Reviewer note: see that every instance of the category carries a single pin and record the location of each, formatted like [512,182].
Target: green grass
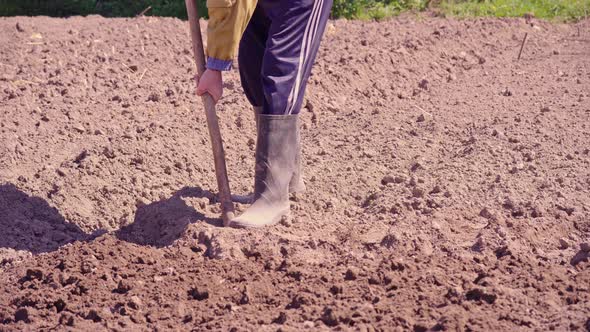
[107,8]
[565,10]
[562,10]
[380,11]
[374,9]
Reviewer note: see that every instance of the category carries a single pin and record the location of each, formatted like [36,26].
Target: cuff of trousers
[217,64]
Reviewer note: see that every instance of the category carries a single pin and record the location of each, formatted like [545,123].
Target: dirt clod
[21,315]
[281,319]
[423,84]
[67,319]
[480,295]
[93,316]
[134,302]
[196,294]
[329,317]
[563,244]
[123,287]
[350,274]
[388,179]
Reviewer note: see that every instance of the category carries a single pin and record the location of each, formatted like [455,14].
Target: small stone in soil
[79,128]
[350,274]
[81,156]
[281,319]
[485,213]
[134,302]
[154,97]
[336,290]
[123,287]
[417,192]
[415,166]
[66,319]
[34,274]
[563,244]
[196,294]
[389,241]
[59,305]
[21,315]
[108,152]
[425,116]
[479,295]
[423,84]
[387,179]
[328,317]
[93,316]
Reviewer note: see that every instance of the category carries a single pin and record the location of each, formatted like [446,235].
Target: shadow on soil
[30,223]
[160,223]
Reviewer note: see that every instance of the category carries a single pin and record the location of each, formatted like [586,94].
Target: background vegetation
[352,9]
[569,10]
[107,8]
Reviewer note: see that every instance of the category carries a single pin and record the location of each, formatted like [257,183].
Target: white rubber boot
[296,185]
[276,164]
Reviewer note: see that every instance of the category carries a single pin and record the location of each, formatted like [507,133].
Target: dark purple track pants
[278,50]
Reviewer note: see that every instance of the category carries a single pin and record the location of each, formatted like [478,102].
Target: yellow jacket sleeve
[227,21]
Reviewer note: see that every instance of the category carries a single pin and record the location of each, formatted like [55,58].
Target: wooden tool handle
[227,205]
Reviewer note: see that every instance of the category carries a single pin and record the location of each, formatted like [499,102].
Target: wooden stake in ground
[522,45]
[227,206]
[144,11]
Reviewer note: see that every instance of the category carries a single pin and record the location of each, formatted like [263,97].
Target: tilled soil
[448,182]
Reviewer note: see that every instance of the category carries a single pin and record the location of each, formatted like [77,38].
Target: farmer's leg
[250,54]
[293,40]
